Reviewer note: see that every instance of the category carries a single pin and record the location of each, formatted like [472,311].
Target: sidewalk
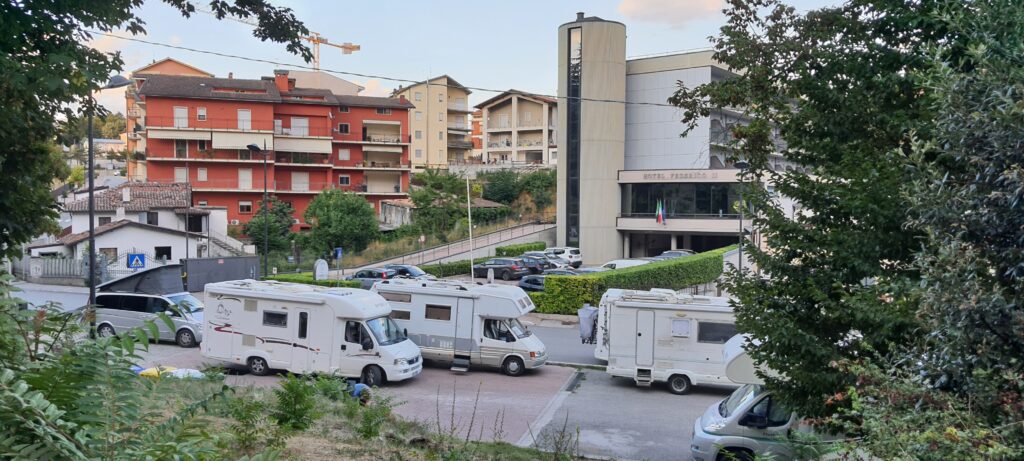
[550,320]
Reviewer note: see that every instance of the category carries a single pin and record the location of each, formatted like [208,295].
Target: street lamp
[116,81]
[742,166]
[266,223]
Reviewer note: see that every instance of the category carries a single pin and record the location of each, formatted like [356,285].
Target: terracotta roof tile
[142,196]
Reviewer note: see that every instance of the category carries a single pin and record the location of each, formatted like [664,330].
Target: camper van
[750,421]
[665,337]
[466,324]
[307,329]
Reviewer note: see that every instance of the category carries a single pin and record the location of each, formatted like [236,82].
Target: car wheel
[679,384]
[185,338]
[372,376]
[105,331]
[513,366]
[258,366]
[506,275]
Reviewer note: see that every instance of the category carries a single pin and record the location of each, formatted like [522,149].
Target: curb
[586,366]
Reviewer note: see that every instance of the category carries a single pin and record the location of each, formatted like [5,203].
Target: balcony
[458,106]
[134,136]
[722,224]
[231,185]
[136,112]
[215,124]
[386,138]
[530,143]
[315,129]
[303,159]
[376,165]
[459,144]
[458,127]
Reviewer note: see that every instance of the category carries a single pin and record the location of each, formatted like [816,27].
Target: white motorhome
[466,324]
[662,336]
[750,421]
[307,329]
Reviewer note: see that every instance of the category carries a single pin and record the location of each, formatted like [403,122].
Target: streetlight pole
[469,214]
[266,223]
[116,81]
[742,166]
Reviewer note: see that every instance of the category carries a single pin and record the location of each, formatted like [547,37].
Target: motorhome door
[303,354]
[644,338]
[465,342]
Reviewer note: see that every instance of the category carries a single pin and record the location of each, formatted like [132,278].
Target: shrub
[566,294]
[332,388]
[374,416]
[451,268]
[518,249]
[295,407]
[307,278]
[252,430]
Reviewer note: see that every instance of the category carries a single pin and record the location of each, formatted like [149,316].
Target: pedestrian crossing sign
[136,260]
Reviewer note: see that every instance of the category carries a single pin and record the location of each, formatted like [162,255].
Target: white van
[662,336]
[571,254]
[307,329]
[749,422]
[624,263]
[118,313]
[466,324]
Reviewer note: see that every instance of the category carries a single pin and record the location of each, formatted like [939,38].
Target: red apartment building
[197,130]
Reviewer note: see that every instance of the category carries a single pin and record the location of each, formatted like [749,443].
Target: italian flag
[659,215]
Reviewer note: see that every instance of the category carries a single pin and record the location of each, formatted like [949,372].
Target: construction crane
[314,37]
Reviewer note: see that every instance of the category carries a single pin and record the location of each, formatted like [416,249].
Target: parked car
[535,264]
[367,277]
[673,254]
[571,254]
[410,271]
[561,271]
[591,270]
[550,262]
[624,263]
[118,313]
[532,283]
[504,268]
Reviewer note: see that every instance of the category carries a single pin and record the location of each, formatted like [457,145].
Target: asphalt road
[68,297]
[563,345]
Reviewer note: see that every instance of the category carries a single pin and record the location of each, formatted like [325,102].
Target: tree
[501,186]
[436,211]
[77,176]
[835,91]
[341,219]
[112,125]
[279,217]
[50,73]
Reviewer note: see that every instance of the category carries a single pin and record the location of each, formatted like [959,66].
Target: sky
[484,44]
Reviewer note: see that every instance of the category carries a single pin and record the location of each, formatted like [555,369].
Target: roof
[520,93]
[73,239]
[155,63]
[480,202]
[177,86]
[370,101]
[402,202]
[142,196]
[326,95]
[451,83]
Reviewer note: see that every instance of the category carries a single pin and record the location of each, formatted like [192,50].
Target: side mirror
[510,339]
[405,332]
[754,421]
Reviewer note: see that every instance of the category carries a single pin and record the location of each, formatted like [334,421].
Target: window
[162,252]
[300,126]
[400,315]
[343,128]
[103,221]
[278,126]
[418,96]
[180,174]
[419,153]
[419,116]
[245,178]
[344,180]
[180,148]
[497,329]
[200,113]
[344,154]
[383,111]
[201,174]
[440,97]
[201,145]
[419,134]
[355,332]
[574,117]
[774,413]
[181,117]
[244,119]
[202,203]
[109,253]
[303,324]
[440,116]
[152,218]
[716,333]
[135,303]
[245,207]
[681,328]
[275,319]
[343,109]
[435,312]
[244,154]
[397,297]
[440,136]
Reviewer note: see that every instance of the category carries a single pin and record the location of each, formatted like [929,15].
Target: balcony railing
[285,186]
[722,215]
[378,164]
[458,126]
[303,158]
[453,105]
[386,138]
[459,144]
[530,143]
[190,123]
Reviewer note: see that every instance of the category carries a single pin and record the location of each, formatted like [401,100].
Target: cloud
[675,13]
[374,88]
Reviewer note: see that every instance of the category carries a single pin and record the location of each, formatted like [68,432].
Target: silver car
[121,312]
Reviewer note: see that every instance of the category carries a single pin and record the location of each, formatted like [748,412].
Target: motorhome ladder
[643,378]
[460,364]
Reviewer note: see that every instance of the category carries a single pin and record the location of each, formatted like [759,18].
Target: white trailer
[307,329]
[466,324]
[661,336]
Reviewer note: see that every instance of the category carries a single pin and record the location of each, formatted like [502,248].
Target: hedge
[518,249]
[307,278]
[566,294]
[442,270]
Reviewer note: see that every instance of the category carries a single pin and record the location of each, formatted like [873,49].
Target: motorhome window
[303,324]
[717,333]
[275,319]
[497,329]
[399,315]
[186,302]
[776,414]
[435,312]
[397,297]
[385,330]
[518,328]
[681,328]
[354,332]
[738,399]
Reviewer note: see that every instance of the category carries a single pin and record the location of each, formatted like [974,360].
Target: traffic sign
[338,253]
[136,260]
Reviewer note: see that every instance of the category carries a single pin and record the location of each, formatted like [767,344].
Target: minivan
[118,313]
[624,263]
[571,254]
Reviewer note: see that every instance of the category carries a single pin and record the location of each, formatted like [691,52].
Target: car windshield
[187,303]
[385,330]
[518,328]
[739,398]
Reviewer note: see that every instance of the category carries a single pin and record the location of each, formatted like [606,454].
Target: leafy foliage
[279,218]
[501,186]
[295,407]
[252,428]
[448,269]
[307,278]
[50,72]
[340,219]
[518,249]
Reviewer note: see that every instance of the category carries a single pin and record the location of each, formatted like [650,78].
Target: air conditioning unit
[296,221]
[235,222]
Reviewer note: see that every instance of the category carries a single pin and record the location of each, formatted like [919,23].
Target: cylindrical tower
[591,134]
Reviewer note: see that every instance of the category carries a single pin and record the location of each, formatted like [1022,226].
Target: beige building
[519,128]
[439,125]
